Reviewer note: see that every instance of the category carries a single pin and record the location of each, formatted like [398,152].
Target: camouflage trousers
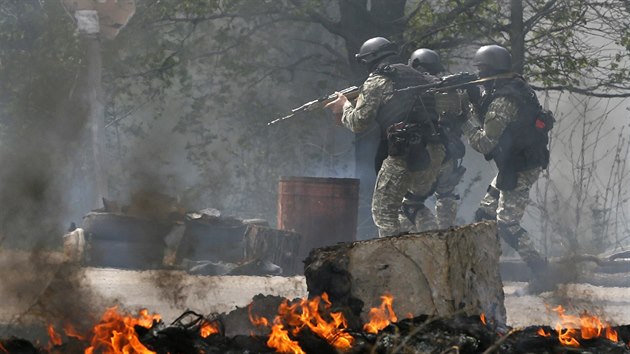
[508,208]
[446,201]
[394,180]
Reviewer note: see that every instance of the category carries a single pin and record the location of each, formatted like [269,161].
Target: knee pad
[495,193]
[482,214]
[510,233]
[450,195]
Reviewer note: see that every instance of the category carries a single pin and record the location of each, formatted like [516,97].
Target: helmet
[374,49]
[494,57]
[427,59]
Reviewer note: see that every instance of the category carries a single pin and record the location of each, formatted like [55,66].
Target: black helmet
[426,59]
[375,49]
[494,57]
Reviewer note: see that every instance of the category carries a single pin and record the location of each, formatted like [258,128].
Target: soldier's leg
[422,184]
[391,185]
[488,206]
[511,208]
[416,216]
[446,201]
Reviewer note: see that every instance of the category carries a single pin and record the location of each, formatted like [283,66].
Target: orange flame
[482,317]
[381,317]
[571,328]
[115,333]
[72,332]
[611,334]
[3,349]
[280,341]
[208,329]
[255,320]
[305,314]
[543,333]
[55,338]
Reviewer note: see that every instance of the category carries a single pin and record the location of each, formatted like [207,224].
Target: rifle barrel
[351,93]
[280,119]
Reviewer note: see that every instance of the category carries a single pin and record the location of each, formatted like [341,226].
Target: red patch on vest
[540,124]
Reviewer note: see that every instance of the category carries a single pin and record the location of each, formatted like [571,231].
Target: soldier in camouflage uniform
[410,151]
[515,138]
[448,105]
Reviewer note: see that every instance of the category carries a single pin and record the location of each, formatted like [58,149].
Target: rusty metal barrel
[323,210]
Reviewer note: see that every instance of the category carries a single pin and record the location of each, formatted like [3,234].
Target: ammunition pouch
[450,126]
[398,139]
[509,164]
[404,139]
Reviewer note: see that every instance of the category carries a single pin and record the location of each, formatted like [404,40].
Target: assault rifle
[351,93]
[454,81]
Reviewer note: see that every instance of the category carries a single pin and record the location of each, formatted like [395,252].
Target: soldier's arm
[360,116]
[500,113]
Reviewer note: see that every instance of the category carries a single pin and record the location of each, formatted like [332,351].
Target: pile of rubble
[155,232]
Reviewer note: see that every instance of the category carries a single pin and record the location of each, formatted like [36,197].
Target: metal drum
[322,210]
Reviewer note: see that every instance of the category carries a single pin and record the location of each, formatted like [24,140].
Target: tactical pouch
[397,139]
[407,140]
[544,121]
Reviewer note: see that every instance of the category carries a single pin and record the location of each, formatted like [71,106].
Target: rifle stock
[351,93]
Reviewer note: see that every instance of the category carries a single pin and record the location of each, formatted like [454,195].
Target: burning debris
[304,326]
[347,311]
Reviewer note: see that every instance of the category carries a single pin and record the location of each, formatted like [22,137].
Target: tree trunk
[96,116]
[517,36]
[433,273]
[359,23]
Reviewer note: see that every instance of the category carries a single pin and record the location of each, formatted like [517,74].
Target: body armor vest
[523,145]
[410,108]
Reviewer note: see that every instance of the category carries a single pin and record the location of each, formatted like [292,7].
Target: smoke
[39,289]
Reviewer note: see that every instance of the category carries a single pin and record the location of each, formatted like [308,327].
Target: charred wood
[277,246]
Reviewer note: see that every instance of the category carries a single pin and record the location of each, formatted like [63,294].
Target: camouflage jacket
[501,112]
[376,90]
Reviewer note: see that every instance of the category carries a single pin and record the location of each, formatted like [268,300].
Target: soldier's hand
[474,94]
[336,106]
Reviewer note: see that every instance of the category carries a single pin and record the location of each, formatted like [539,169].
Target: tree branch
[584,91]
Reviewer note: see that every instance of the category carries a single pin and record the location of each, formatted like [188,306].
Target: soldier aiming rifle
[351,93]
